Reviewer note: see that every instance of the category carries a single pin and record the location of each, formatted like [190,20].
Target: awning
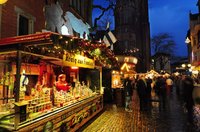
[26,38]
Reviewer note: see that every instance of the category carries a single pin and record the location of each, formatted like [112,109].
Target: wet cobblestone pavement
[172,119]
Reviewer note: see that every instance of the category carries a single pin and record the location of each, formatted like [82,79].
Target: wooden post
[18,69]
[17,88]
[101,88]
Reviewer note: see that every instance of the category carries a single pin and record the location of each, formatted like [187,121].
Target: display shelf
[5,113]
[59,115]
[21,103]
[7,98]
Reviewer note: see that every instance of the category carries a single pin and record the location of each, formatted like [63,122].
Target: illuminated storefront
[42,82]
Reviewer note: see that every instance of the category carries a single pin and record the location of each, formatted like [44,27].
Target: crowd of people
[163,87]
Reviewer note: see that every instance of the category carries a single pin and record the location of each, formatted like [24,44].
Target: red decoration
[61,84]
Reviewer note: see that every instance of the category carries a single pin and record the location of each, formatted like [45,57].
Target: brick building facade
[19,17]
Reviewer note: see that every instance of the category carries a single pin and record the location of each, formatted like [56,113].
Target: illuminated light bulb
[60,37]
[74,67]
[183,65]
[189,65]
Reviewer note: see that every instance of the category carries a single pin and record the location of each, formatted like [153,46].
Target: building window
[78,6]
[74,4]
[70,2]
[82,8]
[25,22]
[126,44]
[125,19]
[23,25]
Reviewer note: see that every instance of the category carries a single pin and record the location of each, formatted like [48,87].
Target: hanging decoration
[60,45]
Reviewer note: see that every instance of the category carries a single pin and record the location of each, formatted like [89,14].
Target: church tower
[198,4]
[132,31]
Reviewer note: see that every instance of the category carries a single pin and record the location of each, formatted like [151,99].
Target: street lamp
[187,41]
[189,48]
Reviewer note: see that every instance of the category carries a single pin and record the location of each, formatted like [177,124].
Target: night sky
[172,16]
[168,16]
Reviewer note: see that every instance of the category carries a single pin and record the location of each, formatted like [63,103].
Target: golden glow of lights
[183,65]
[135,60]
[74,67]
[189,65]
[115,72]
[3,1]
[195,72]
[125,66]
[176,73]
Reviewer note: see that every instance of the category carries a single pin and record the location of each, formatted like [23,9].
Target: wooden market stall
[33,94]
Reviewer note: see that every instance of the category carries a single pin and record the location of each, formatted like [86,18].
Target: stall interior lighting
[125,66]
[115,72]
[74,67]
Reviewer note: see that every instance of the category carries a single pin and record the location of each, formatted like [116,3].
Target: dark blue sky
[169,16]
[172,16]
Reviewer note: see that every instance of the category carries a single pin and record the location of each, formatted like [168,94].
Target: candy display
[79,92]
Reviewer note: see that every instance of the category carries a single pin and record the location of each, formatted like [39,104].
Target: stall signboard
[79,61]
[76,60]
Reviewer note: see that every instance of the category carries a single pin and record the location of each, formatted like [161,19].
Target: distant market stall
[127,70]
[152,74]
[50,81]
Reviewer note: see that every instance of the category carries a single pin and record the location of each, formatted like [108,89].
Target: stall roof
[26,38]
[35,43]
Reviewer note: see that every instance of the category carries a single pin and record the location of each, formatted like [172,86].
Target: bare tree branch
[110,6]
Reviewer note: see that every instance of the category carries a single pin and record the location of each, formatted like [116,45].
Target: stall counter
[67,118]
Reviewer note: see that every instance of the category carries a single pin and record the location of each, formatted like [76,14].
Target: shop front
[47,84]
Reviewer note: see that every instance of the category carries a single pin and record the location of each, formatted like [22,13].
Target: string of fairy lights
[98,51]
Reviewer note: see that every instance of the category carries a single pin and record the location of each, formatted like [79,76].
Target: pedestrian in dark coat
[148,91]
[161,91]
[188,87]
[128,93]
[142,93]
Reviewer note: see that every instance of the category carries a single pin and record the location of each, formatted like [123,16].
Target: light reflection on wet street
[171,119]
